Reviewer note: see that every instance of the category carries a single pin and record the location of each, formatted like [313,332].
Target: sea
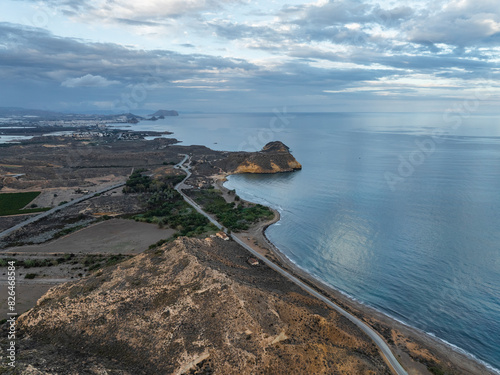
[399,211]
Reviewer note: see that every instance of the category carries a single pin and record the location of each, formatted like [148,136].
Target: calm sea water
[421,243]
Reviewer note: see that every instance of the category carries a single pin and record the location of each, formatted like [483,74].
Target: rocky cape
[275,157]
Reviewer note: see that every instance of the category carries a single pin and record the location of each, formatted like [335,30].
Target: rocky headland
[273,158]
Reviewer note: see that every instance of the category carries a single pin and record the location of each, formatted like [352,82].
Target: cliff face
[191,307]
[274,157]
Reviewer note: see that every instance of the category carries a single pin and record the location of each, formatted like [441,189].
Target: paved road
[180,185]
[396,366]
[377,339]
[55,209]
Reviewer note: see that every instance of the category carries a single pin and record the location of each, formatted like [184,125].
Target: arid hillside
[192,306]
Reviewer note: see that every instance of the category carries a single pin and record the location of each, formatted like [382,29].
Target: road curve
[377,339]
[179,186]
[384,348]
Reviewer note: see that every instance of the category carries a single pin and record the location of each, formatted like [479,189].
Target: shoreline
[447,354]
[386,326]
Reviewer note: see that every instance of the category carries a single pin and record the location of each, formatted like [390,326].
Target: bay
[400,211]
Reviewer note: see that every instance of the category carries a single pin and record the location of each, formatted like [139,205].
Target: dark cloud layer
[310,50]
[36,52]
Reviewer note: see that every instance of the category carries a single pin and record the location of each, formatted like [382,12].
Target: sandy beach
[413,348]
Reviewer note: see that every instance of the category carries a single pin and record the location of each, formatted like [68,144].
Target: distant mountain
[16,112]
[163,112]
[38,114]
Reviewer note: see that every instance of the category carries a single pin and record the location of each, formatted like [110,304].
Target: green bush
[166,207]
[30,276]
[437,371]
[233,218]
[28,263]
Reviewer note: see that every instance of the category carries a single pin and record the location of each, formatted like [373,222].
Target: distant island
[164,112]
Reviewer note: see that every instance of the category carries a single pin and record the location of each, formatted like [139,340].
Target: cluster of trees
[176,214]
[140,183]
[167,208]
[137,182]
[235,218]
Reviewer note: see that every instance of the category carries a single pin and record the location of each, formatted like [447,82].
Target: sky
[250,56]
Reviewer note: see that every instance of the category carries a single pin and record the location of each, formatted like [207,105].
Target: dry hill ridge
[192,306]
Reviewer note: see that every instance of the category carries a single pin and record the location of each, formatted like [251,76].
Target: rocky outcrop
[275,157]
[194,306]
[276,146]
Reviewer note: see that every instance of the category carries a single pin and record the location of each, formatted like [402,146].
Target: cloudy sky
[244,55]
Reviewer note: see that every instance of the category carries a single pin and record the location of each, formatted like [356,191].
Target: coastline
[417,350]
[388,327]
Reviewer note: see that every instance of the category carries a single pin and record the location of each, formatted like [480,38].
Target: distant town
[29,122]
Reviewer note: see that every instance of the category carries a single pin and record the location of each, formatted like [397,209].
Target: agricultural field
[13,203]
[114,236]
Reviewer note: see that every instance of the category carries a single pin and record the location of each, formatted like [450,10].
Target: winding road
[377,339]
[181,184]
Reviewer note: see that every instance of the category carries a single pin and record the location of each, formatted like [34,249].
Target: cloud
[282,53]
[349,11]
[133,11]
[40,55]
[88,81]
[459,23]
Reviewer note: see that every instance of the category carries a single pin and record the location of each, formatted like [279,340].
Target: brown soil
[179,309]
[27,294]
[114,236]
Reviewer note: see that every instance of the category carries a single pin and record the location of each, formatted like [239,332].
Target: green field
[12,203]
